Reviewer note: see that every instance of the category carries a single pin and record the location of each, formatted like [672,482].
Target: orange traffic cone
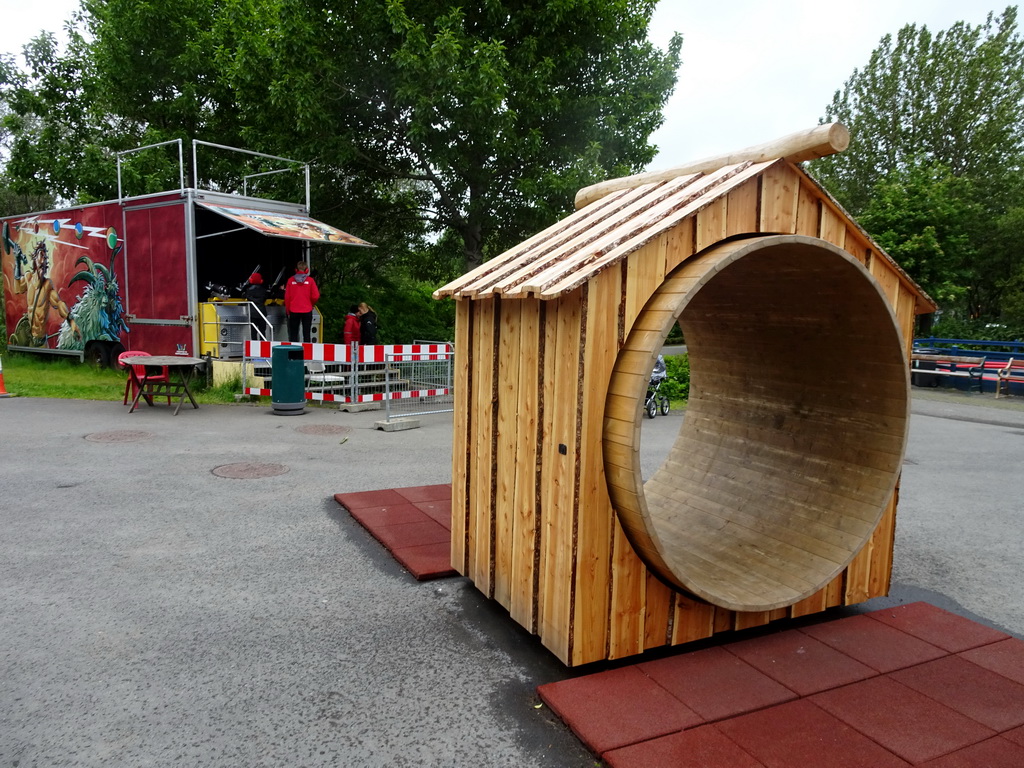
[3,390]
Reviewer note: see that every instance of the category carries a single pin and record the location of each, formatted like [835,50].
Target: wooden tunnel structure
[779,496]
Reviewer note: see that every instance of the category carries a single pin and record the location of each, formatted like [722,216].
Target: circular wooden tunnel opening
[794,434]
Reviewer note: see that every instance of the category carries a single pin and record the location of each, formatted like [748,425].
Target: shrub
[979,330]
[405,311]
[677,385]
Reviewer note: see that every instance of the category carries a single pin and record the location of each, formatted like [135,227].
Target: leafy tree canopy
[922,217]
[934,164]
[487,117]
[444,132]
[952,99]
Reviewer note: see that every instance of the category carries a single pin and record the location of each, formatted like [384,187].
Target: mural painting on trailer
[61,284]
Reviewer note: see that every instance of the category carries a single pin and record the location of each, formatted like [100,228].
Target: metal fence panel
[418,384]
[410,380]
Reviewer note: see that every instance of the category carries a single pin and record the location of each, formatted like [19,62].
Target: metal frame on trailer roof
[195,163]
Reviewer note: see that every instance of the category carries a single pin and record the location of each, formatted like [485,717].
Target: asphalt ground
[154,611]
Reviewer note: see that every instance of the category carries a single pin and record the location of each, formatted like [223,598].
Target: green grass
[28,375]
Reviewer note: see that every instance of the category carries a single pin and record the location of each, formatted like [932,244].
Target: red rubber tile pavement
[427,493]
[441,511]
[1005,658]
[618,707]
[892,715]
[933,625]
[705,746]
[413,524]
[370,499]
[912,685]
[994,753]
[402,535]
[981,694]
[1016,736]
[801,734]
[715,683]
[873,643]
[908,686]
[801,663]
[394,514]
[426,561]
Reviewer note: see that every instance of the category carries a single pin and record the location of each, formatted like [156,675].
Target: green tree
[1006,253]
[935,157]
[953,99]
[922,216]
[445,132]
[13,201]
[487,117]
[51,125]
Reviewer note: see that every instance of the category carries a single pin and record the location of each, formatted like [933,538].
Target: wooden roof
[619,216]
[570,252]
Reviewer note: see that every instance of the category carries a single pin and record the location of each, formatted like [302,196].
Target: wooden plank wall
[533,525]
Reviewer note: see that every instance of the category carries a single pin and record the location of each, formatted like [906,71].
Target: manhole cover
[119,436]
[323,429]
[248,470]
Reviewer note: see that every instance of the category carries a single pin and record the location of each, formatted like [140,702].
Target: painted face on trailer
[40,260]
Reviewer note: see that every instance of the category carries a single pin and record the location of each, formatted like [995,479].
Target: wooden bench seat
[1013,372]
[319,372]
[959,366]
[337,378]
[343,385]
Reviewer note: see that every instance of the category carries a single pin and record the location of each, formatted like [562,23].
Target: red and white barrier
[343,353]
[360,354]
[384,353]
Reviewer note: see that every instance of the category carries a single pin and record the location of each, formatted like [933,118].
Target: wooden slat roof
[570,252]
[573,250]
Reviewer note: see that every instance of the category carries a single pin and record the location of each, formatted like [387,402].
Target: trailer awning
[289,225]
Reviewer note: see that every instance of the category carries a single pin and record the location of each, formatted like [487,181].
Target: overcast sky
[753,70]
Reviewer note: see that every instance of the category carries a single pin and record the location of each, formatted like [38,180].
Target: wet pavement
[156,611]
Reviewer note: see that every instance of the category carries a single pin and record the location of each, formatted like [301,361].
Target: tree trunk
[472,240]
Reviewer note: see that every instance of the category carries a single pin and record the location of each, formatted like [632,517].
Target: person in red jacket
[351,331]
[300,295]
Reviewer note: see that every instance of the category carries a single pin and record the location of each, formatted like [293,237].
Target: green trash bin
[919,376]
[287,380]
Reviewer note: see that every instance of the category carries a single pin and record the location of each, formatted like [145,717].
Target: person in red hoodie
[350,332]
[300,295]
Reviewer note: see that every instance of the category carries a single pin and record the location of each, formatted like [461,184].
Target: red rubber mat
[413,524]
[906,686]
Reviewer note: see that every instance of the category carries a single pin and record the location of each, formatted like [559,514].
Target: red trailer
[161,273]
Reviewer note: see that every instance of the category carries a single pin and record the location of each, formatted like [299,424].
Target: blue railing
[992,350]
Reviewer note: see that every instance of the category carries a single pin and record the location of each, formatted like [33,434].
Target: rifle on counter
[277,282]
